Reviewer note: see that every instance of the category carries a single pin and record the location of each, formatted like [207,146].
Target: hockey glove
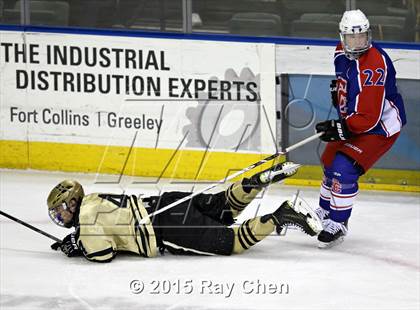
[334,130]
[69,245]
[333,91]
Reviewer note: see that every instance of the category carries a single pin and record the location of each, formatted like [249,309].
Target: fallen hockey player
[108,223]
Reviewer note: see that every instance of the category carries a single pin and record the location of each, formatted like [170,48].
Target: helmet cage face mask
[55,214]
[356,44]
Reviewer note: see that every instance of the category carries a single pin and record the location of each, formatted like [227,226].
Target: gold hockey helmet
[60,199]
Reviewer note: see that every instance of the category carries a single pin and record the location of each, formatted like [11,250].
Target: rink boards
[185,108]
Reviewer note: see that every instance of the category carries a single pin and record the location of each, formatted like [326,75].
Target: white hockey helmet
[355,33]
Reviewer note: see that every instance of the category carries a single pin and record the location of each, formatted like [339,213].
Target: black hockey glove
[333,91]
[69,245]
[334,130]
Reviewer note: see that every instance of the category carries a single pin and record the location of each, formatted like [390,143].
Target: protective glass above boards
[390,20]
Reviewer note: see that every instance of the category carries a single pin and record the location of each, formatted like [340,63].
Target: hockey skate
[332,234]
[274,174]
[297,214]
[323,214]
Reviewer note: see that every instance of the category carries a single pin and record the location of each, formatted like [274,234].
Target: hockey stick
[259,163]
[30,226]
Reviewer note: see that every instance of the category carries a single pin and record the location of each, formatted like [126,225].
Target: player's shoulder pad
[91,196]
[372,59]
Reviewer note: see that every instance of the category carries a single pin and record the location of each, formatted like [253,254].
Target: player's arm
[367,92]
[101,252]
[92,248]
[336,130]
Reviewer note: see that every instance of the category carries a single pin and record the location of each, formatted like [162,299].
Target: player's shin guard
[324,198]
[344,189]
[325,194]
[250,233]
[342,203]
[238,197]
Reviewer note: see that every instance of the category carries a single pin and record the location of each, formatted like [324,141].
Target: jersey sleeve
[96,249]
[366,93]
[340,61]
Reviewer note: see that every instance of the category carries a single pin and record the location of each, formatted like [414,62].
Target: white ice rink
[377,267]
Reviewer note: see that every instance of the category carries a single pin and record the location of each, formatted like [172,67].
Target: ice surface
[377,267]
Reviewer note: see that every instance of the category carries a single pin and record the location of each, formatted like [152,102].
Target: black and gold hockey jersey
[109,223]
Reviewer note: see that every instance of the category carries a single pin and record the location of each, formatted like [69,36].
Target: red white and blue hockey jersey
[368,98]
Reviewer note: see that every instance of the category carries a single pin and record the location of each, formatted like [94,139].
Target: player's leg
[296,213]
[327,159]
[222,207]
[241,193]
[199,226]
[184,229]
[342,177]
[345,162]
[195,233]
[227,205]
[324,196]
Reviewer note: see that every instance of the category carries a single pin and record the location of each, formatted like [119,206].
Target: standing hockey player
[371,115]
[108,223]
